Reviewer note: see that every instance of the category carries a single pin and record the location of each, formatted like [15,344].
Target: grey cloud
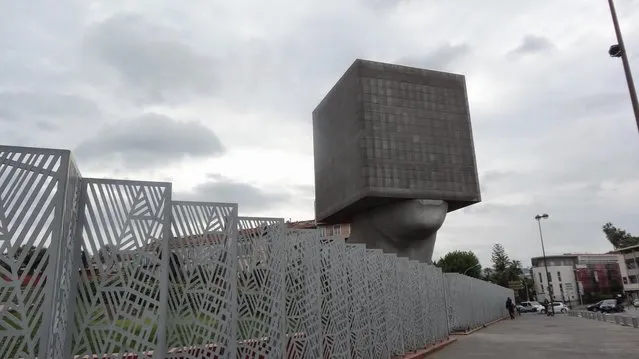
[221,189]
[553,131]
[150,140]
[442,58]
[287,74]
[531,44]
[46,107]
[151,60]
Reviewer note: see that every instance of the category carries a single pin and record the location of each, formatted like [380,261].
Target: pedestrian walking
[511,308]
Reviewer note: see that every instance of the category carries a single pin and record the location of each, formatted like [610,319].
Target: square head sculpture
[388,133]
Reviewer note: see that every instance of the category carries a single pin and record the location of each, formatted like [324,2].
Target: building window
[541,279]
[559,276]
[337,229]
[561,288]
[625,280]
[549,277]
[633,279]
[630,263]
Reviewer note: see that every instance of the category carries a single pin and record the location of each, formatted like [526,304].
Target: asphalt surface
[543,337]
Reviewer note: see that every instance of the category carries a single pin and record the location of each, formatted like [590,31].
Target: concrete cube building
[386,133]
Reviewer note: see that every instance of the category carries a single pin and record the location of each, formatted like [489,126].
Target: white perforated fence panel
[438,298]
[393,297]
[123,284]
[202,281]
[359,301]
[303,295]
[375,265]
[262,262]
[335,300]
[473,302]
[38,192]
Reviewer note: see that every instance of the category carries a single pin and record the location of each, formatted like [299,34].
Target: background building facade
[340,230]
[578,278]
[630,270]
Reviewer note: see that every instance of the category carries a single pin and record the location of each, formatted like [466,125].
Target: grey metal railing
[619,319]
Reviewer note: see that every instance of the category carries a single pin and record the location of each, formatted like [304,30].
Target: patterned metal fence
[100,268]
[473,302]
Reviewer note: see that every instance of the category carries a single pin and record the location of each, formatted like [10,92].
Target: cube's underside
[387,133]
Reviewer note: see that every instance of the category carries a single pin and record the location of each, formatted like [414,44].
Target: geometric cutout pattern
[261,279]
[438,295]
[417,278]
[202,292]
[120,296]
[303,294]
[359,302]
[393,302]
[32,199]
[407,305]
[335,301]
[376,295]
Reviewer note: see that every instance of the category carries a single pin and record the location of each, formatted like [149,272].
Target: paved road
[542,337]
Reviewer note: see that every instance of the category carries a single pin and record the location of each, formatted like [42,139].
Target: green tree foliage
[504,269]
[618,237]
[499,258]
[459,262]
[488,274]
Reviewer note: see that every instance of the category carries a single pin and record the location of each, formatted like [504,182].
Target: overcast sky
[216,96]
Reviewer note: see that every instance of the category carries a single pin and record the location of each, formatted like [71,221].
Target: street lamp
[619,50]
[469,268]
[543,251]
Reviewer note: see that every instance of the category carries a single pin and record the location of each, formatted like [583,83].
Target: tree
[488,274]
[500,258]
[618,237]
[460,262]
[504,270]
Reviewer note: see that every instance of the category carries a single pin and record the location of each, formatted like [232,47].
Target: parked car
[606,306]
[611,306]
[525,308]
[531,306]
[636,303]
[559,308]
[594,307]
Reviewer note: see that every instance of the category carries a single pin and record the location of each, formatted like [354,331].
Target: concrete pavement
[538,336]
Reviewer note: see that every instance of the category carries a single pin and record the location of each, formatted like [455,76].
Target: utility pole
[543,251]
[619,50]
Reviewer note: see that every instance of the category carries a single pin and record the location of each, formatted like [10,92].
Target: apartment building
[630,264]
[341,230]
[577,277]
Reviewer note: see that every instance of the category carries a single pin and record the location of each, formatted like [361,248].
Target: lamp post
[619,50]
[469,268]
[543,251]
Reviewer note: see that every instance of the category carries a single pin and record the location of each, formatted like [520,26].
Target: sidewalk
[535,336]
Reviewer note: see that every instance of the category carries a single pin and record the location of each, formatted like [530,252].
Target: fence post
[163,310]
